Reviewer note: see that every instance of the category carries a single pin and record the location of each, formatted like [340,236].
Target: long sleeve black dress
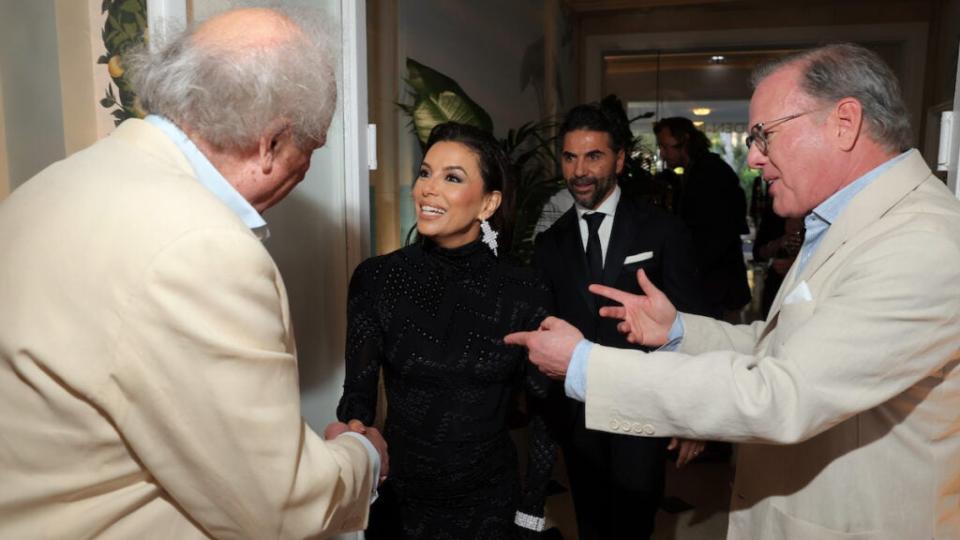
[434,320]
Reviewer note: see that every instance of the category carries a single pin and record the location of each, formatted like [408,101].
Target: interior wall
[79,46]
[384,78]
[29,69]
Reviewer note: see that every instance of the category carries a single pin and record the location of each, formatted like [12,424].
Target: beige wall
[384,77]
[82,81]
[49,104]
[29,68]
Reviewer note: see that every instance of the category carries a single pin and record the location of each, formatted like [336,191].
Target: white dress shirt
[608,207]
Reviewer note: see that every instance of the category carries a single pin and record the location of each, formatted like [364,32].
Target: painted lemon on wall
[124,28]
[114,67]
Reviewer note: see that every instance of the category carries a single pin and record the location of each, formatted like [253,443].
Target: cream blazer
[847,399]
[148,377]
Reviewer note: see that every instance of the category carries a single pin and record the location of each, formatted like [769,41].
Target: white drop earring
[489,235]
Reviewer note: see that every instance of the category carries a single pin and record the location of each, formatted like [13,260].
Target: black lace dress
[434,319]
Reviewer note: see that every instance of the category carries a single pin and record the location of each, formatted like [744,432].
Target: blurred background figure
[712,205]
[778,242]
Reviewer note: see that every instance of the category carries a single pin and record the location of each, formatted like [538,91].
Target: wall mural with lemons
[124,27]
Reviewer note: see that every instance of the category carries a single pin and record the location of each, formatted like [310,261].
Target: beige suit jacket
[148,378]
[847,399]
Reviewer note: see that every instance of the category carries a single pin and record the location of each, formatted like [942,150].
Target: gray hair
[833,72]
[229,97]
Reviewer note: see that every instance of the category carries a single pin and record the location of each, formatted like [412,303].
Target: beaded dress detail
[434,319]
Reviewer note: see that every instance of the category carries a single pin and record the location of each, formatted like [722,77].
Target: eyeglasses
[760,131]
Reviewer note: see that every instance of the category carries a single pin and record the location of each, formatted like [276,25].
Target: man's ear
[621,157]
[848,116]
[491,201]
[269,145]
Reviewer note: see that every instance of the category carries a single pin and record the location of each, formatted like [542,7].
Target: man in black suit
[606,237]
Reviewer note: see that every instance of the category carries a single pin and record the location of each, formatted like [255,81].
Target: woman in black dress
[433,315]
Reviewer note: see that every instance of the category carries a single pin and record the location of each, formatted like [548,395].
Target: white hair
[230,96]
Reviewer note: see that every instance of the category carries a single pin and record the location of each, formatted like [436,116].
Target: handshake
[335,429]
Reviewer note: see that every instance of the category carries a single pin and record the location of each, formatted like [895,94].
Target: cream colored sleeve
[205,393]
[890,319]
[703,334]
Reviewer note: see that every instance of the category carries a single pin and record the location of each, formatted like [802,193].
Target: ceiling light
[700,111]
[717,59]
[698,123]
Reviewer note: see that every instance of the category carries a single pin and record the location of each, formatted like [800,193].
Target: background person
[432,316]
[714,208]
[853,380]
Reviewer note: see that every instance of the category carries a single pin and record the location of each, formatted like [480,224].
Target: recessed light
[717,59]
[698,123]
[700,111]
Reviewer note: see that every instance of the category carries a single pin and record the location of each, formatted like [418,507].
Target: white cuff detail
[527,521]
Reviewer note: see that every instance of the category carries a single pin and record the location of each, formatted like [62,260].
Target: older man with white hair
[846,398]
[148,374]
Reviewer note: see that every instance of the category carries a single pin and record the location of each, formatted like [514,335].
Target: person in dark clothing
[778,241]
[606,237]
[713,207]
[432,316]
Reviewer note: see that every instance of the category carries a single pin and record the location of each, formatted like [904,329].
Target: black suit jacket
[559,255]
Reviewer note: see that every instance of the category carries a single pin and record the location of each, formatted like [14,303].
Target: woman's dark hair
[608,117]
[686,134]
[495,167]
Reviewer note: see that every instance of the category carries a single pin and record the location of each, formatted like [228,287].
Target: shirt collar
[608,206]
[829,210]
[210,178]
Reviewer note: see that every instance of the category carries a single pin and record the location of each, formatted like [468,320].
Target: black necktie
[594,251]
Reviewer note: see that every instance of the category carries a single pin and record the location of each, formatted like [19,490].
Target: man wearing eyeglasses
[846,397]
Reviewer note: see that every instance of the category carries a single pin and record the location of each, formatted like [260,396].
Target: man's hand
[646,320]
[335,429]
[689,450]
[551,346]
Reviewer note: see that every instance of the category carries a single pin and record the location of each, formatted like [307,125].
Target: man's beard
[602,187]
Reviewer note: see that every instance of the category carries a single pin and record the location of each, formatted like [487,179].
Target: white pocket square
[638,257]
[800,293]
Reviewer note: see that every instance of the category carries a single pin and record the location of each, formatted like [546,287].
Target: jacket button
[637,428]
[648,429]
[614,423]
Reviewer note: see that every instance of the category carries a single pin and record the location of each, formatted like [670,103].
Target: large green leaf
[445,107]
[426,81]
[429,85]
